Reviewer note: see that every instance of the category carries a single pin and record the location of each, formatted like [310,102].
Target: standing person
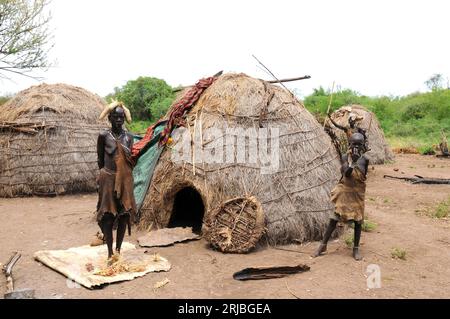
[116,201]
[348,195]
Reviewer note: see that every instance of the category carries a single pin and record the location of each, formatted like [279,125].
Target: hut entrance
[188,210]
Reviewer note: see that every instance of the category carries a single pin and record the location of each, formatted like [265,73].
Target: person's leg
[356,239]
[107,228]
[326,237]
[121,228]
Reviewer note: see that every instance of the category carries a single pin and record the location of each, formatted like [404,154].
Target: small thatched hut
[380,151]
[293,193]
[48,136]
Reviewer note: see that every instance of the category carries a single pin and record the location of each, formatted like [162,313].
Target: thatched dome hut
[380,151]
[48,137]
[291,185]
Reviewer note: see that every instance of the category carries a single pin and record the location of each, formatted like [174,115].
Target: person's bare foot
[320,250]
[113,259]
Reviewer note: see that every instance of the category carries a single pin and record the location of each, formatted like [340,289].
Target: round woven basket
[236,225]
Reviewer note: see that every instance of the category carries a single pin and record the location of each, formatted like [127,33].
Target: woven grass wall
[48,138]
[295,198]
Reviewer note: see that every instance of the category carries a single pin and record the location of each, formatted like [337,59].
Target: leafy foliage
[435,82]
[24,36]
[147,97]
[415,120]
[398,253]
[442,210]
[139,127]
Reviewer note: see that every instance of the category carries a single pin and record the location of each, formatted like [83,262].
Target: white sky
[374,47]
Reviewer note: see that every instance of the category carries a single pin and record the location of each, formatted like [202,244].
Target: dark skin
[361,163]
[106,151]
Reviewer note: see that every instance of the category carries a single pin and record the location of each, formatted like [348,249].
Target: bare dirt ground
[32,224]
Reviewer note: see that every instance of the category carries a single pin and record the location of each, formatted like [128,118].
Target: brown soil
[399,209]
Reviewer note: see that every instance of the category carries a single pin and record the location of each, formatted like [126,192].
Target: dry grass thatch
[380,151]
[48,136]
[295,199]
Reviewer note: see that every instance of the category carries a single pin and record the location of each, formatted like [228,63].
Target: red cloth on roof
[177,111]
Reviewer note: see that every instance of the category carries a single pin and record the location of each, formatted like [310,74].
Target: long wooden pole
[329,103]
[306,77]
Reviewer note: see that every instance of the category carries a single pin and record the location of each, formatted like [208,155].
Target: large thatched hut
[284,173]
[48,136]
[380,151]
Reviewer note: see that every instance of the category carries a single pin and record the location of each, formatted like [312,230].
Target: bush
[415,111]
[442,210]
[427,150]
[398,253]
[415,120]
[148,98]
[349,238]
[139,127]
[368,226]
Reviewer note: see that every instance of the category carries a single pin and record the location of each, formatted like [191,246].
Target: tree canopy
[148,98]
[24,36]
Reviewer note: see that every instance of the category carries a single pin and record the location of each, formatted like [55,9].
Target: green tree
[435,82]
[147,97]
[24,36]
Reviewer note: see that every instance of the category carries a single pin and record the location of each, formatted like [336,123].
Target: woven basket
[236,225]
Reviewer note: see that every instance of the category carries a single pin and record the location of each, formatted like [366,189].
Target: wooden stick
[7,270]
[291,290]
[291,250]
[306,77]
[278,81]
[370,123]
[193,145]
[329,103]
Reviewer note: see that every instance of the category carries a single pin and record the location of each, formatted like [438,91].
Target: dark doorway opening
[188,210]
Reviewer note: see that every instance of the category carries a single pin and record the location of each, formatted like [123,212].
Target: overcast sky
[374,47]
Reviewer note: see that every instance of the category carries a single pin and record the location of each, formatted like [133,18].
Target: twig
[290,291]
[193,145]
[370,123]
[291,250]
[306,77]
[329,102]
[278,81]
